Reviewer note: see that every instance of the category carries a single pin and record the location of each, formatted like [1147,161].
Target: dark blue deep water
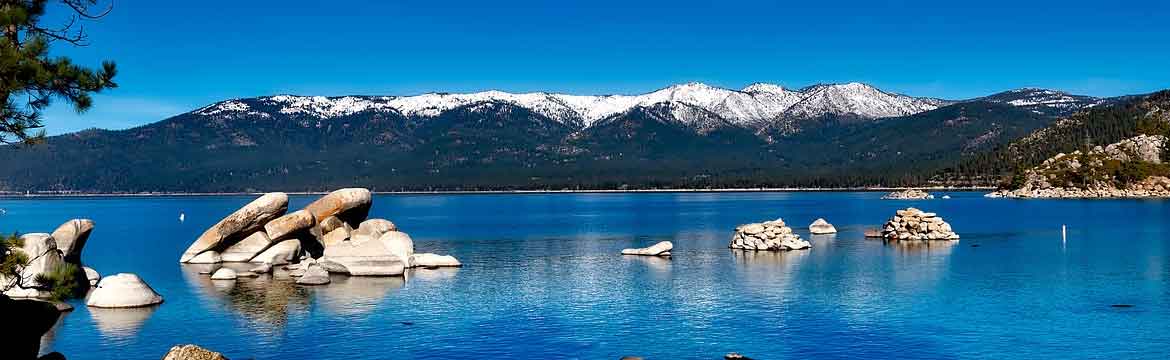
[543,280]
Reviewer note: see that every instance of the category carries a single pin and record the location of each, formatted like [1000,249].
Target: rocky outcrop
[239,224]
[660,249]
[910,194]
[398,244]
[123,291]
[372,229]
[429,260]
[1126,169]
[821,227]
[914,224]
[192,352]
[71,237]
[769,235]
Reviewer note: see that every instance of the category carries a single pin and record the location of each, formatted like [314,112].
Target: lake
[542,278]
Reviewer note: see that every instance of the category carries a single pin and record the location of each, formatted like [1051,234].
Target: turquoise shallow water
[542,279]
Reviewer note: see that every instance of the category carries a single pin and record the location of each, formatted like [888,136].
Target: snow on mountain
[859,100]
[1044,101]
[755,106]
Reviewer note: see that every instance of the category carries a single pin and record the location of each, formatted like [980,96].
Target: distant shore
[473,192]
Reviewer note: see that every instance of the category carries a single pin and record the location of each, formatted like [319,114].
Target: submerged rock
[192,352]
[123,291]
[770,235]
[820,227]
[434,260]
[914,224]
[660,249]
[244,221]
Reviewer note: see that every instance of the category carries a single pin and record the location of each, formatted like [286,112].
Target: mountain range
[686,135]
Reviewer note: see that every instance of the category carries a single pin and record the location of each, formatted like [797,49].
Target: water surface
[543,279]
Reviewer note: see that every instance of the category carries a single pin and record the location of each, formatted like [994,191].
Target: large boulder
[192,352]
[914,224]
[122,291]
[25,321]
[821,227]
[43,257]
[769,235]
[71,237]
[283,252]
[239,224]
[660,249]
[284,226]
[430,260]
[206,257]
[351,205]
[370,258]
[246,249]
[398,244]
[372,229]
[335,237]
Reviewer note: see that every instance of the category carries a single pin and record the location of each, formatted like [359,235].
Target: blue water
[542,279]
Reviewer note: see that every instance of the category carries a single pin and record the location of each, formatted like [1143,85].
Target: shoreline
[13,195]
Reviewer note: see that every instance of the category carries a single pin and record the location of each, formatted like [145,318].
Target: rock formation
[660,249]
[821,227]
[769,235]
[914,224]
[910,194]
[429,260]
[239,224]
[1131,168]
[123,291]
[71,237]
[224,274]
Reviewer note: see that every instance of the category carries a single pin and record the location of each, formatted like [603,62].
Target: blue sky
[176,56]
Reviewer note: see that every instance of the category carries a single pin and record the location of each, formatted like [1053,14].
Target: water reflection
[443,273]
[356,295]
[769,259]
[265,301]
[121,323]
[932,248]
[660,265]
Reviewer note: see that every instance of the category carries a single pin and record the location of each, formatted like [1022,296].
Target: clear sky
[174,56]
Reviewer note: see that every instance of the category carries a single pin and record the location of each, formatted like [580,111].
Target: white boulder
[821,227]
[660,249]
[122,291]
[430,260]
[244,221]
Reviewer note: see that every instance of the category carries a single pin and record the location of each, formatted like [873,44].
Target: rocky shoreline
[1103,172]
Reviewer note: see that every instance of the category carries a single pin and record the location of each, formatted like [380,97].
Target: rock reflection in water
[785,259]
[930,247]
[661,265]
[356,295]
[443,273]
[121,323]
[265,301]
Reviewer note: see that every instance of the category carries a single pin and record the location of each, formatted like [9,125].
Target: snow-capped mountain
[1044,101]
[756,106]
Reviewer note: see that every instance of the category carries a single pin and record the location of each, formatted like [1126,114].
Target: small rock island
[769,235]
[914,224]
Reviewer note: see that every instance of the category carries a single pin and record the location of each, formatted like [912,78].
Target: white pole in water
[1063,234]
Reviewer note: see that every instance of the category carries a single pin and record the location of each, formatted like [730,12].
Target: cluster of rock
[769,235]
[330,235]
[909,194]
[48,252]
[660,249]
[821,227]
[192,352]
[914,224]
[1047,180]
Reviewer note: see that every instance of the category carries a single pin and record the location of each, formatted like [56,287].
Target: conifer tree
[30,79]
